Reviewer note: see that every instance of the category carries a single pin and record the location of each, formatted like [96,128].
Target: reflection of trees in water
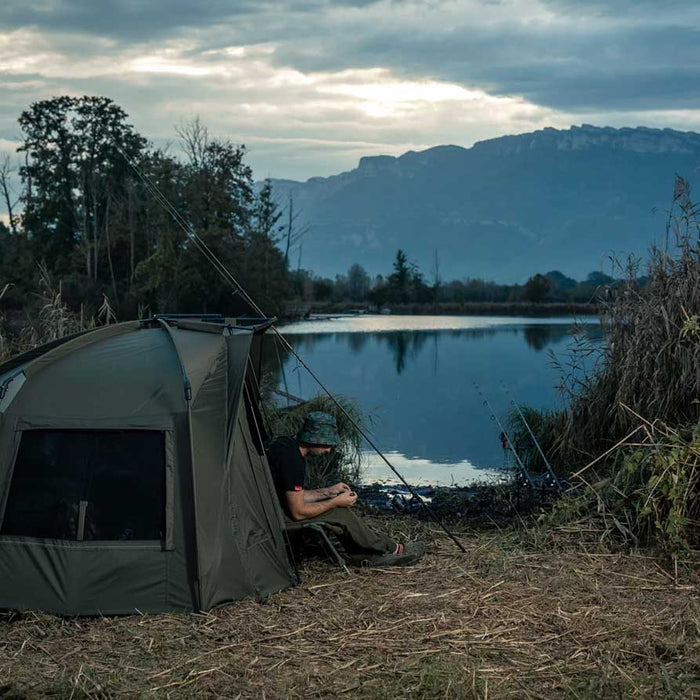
[539,337]
[407,345]
[357,341]
[280,367]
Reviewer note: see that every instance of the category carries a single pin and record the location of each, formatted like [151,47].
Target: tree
[78,154]
[400,278]
[536,289]
[418,290]
[599,279]
[322,289]
[6,171]
[559,279]
[239,227]
[358,282]
[293,233]
[437,281]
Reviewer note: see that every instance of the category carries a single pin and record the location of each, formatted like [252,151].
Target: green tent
[132,473]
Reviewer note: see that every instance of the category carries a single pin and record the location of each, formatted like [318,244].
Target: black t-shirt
[287,465]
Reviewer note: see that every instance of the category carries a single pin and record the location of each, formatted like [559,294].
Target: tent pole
[188,399]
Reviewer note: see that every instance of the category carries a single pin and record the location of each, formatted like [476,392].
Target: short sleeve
[287,466]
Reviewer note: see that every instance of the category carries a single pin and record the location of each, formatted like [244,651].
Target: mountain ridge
[501,209]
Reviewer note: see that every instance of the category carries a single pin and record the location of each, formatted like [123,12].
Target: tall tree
[77,163]
[6,171]
[536,289]
[437,280]
[400,278]
[358,282]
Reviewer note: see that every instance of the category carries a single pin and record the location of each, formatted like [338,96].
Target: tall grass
[629,437]
[46,317]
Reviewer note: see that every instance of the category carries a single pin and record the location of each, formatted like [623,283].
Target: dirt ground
[513,617]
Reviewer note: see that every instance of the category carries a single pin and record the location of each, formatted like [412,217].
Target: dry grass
[629,439]
[498,621]
[46,317]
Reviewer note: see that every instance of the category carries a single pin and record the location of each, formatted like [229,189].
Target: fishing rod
[228,277]
[507,437]
[514,403]
[369,441]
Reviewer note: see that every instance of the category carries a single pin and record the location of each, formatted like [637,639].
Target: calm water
[415,375]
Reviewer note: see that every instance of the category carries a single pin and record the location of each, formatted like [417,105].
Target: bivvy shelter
[132,471]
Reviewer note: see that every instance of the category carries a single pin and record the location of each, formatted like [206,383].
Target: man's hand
[302,505]
[346,499]
[337,489]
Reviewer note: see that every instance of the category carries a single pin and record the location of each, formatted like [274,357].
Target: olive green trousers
[355,536]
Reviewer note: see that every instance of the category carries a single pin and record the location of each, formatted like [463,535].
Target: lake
[416,377]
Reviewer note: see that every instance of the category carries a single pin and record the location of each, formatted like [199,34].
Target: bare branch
[6,171]
[195,139]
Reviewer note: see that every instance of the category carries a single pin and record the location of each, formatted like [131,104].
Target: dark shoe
[412,552]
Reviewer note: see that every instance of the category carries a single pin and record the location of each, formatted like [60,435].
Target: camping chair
[319,530]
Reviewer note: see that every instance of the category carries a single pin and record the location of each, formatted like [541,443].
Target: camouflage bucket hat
[319,429]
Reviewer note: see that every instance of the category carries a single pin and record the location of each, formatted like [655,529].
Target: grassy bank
[513,617]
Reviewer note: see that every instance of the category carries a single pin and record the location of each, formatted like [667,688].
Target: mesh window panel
[103,485]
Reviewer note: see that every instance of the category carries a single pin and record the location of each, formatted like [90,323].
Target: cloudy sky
[311,85]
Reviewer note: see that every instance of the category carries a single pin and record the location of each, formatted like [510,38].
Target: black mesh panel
[103,485]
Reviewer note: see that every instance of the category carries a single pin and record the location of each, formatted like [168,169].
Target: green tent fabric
[132,475]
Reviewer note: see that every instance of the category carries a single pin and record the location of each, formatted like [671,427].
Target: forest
[105,214]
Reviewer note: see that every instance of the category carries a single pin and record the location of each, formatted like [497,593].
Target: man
[332,504]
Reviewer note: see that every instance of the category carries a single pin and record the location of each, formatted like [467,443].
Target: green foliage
[540,423]
[358,283]
[404,285]
[647,492]
[73,171]
[560,280]
[344,462]
[536,289]
[99,227]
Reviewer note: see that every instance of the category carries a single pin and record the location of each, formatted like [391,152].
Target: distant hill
[502,209]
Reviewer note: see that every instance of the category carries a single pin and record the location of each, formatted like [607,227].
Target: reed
[629,437]
[47,317]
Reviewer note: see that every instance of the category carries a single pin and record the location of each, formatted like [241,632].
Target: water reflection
[423,472]
[418,384]
[406,346]
[403,343]
[356,341]
[538,337]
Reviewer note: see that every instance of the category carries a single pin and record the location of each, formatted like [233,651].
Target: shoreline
[302,311]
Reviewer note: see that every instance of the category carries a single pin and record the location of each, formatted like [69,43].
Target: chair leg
[329,545]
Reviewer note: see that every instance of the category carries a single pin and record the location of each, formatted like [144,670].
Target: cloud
[581,58]
[9,146]
[311,85]
[137,20]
